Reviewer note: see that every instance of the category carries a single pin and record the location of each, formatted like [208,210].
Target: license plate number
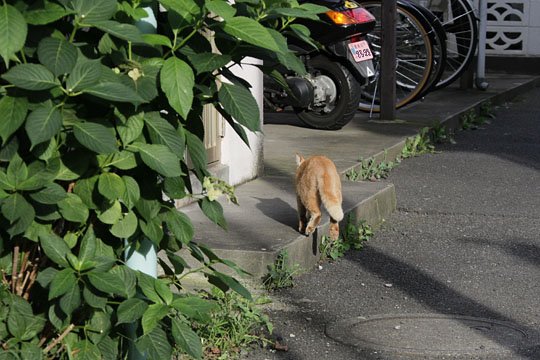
[360,51]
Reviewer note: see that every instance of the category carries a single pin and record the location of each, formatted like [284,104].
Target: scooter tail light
[351,16]
[340,18]
[361,15]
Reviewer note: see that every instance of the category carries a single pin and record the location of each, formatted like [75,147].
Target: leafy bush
[355,235]
[280,273]
[233,324]
[97,120]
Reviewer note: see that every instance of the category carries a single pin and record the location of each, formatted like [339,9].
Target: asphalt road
[465,241]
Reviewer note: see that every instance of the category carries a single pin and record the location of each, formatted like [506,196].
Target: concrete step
[265,223]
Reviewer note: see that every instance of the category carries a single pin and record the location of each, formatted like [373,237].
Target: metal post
[388,60]
[481,82]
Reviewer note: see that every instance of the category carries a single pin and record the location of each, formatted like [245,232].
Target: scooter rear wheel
[346,92]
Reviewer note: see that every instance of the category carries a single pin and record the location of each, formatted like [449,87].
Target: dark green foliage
[97,120]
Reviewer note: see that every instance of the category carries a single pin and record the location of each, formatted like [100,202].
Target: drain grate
[426,334]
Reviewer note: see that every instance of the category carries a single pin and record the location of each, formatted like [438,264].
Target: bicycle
[420,53]
[461,25]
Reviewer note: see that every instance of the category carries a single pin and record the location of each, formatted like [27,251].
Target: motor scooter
[327,96]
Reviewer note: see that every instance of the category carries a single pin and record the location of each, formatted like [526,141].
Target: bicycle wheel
[460,23]
[437,35]
[414,57]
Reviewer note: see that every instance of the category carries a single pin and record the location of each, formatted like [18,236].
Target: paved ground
[465,241]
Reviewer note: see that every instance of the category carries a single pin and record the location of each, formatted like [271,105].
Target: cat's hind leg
[334,229]
[314,209]
[302,216]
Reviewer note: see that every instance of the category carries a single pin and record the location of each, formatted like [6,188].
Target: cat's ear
[299,159]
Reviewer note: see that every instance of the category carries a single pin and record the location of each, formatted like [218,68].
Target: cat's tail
[332,202]
[335,211]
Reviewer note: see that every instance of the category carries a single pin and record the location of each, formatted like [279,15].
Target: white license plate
[360,51]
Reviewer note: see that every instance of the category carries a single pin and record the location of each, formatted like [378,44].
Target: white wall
[245,163]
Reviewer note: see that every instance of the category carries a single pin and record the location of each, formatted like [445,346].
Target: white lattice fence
[513,27]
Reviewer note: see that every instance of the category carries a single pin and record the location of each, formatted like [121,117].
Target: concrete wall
[245,163]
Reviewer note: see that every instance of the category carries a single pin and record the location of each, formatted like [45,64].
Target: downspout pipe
[144,257]
[481,82]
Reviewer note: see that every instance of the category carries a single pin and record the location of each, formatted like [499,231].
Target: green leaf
[162,132]
[126,32]
[147,285]
[197,153]
[159,158]
[186,339]
[45,276]
[107,282]
[126,226]
[303,33]
[87,250]
[174,187]
[221,8]
[85,74]
[22,323]
[214,211]
[114,92]
[31,77]
[99,326]
[112,214]
[84,188]
[95,137]
[30,352]
[43,123]
[148,209]
[250,31]
[38,175]
[13,31]
[71,300]
[95,301]
[15,207]
[123,160]
[13,112]
[131,129]
[132,193]
[46,14]
[156,39]
[178,262]
[95,10]
[154,345]
[50,194]
[73,209]
[152,229]
[195,308]
[57,55]
[182,6]
[55,248]
[111,186]
[224,282]
[109,348]
[62,282]
[293,12]
[240,103]
[164,291]
[131,310]
[208,62]
[177,81]
[180,225]
[85,350]
[146,85]
[152,316]
[129,279]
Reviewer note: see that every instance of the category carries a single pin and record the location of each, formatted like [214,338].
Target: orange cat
[317,180]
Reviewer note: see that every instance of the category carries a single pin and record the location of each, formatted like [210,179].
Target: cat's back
[316,166]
